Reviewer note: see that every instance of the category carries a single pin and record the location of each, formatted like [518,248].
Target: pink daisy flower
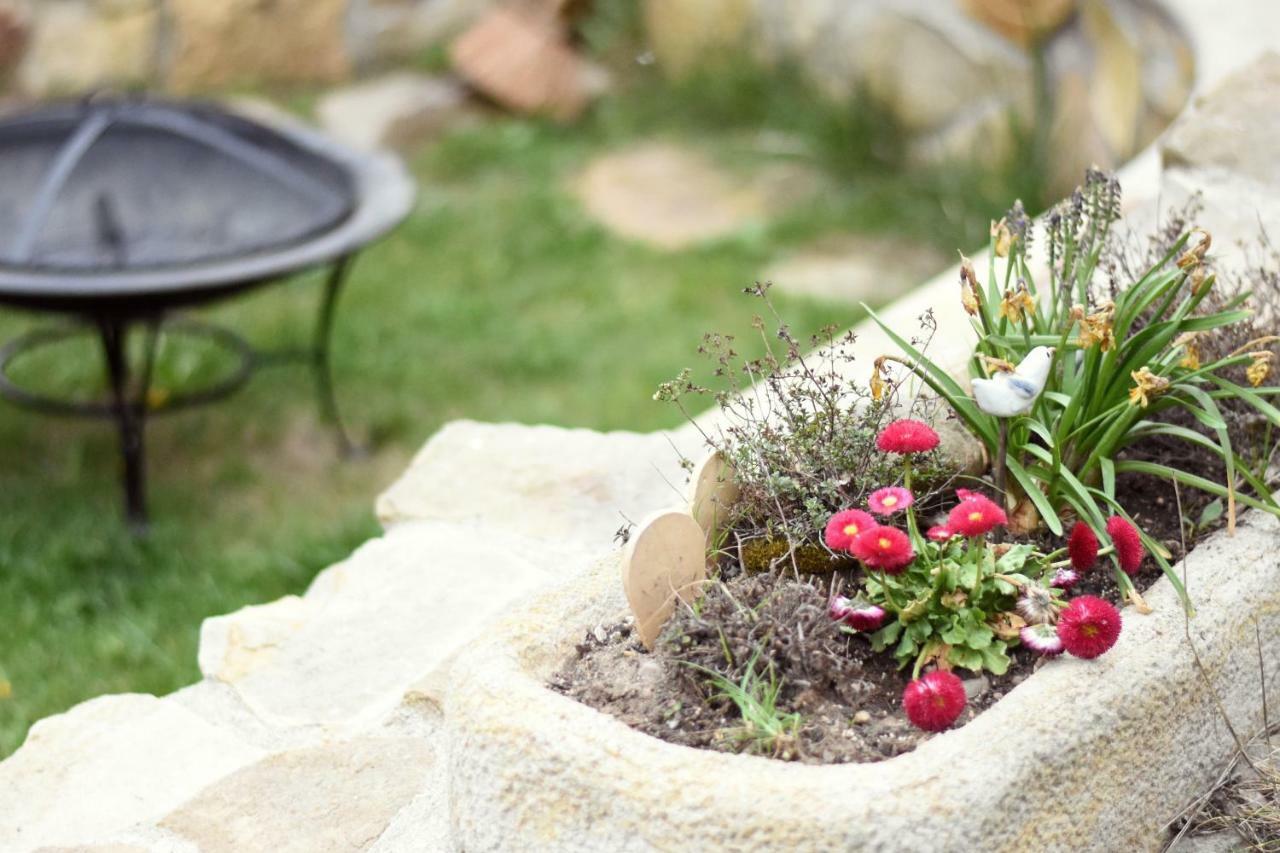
[975,515]
[844,525]
[907,436]
[1065,579]
[886,548]
[1043,639]
[939,533]
[889,500]
[858,616]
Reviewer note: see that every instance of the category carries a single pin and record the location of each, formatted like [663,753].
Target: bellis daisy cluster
[950,598]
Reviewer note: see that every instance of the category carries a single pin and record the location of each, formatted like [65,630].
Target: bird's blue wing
[1023,388]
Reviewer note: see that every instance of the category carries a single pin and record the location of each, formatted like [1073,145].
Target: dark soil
[854,719]
[848,696]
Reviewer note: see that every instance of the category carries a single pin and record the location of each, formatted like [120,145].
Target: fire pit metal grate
[118,213]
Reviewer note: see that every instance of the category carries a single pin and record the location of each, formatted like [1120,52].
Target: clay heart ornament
[665,561]
[713,489]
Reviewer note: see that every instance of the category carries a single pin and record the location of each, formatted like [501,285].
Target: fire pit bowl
[117,212]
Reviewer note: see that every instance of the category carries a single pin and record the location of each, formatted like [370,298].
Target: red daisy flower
[868,617]
[1128,542]
[889,500]
[843,526]
[939,533]
[886,548]
[934,701]
[907,436]
[975,515]
[1089,626]
[1082,547]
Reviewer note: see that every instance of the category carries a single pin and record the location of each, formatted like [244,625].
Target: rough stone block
[107,764]
[74,47]
[541,482]
[1234,128]
[227,42]
[394,612]
[397,111]
[327,799]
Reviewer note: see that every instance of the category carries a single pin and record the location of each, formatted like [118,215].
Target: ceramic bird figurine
[1007,394]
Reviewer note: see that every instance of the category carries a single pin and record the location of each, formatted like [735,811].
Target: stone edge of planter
[1083,755]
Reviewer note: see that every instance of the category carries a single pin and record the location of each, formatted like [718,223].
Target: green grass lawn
[498,300]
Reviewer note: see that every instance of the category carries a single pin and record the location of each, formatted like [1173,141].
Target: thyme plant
[798,432]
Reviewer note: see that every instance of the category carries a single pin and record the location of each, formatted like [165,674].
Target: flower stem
[913,529]
[1062,564]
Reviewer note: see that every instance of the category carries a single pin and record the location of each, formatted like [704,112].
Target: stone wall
[59,47]
[1118,71]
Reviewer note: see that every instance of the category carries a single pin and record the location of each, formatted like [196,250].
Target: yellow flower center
[890,500]
[975,516]
[851,530]
[1089,630]
[884,544]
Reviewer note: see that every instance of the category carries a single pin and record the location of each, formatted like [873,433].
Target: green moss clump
[760,555]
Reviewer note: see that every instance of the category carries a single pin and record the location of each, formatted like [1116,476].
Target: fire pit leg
[320,361]
[130,413]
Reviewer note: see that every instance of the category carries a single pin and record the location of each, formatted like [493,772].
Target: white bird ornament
[1007,394]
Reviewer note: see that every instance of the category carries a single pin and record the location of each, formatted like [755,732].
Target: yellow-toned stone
[230,42]
[1023,21]
[672,196]
[333,797]
[685,34]
[73,49]
[1075,140]
[1115,94]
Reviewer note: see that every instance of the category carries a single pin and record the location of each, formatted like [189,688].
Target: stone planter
[1082,756]
[364,714]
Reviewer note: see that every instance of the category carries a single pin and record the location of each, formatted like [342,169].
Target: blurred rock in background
[960,76]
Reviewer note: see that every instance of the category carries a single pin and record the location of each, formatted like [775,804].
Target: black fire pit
[116,213]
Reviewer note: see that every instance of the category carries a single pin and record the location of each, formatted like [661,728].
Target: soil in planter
[848,697]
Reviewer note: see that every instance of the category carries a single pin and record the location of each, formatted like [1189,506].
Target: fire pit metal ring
[246,359]
[119,212]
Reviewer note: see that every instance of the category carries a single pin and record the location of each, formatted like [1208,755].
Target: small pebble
[600,634]
[862,718]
